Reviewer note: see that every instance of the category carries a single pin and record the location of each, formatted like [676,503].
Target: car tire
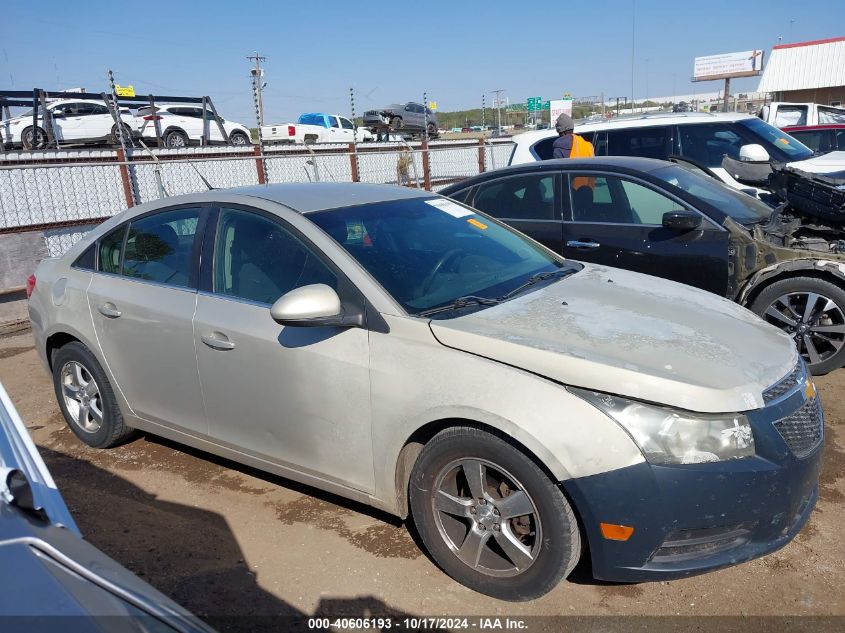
[239,139]
[127,134]
[469,538]
[396,123]
[86,398]
[175,139]
[33,140]
[819,333]
[432,130]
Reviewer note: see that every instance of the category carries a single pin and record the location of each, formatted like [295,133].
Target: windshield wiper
[461,302]
[535,279]
[472,300]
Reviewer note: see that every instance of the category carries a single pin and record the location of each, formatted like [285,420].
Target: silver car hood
[630,334]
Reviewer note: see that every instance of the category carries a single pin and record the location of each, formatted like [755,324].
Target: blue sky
[390,51]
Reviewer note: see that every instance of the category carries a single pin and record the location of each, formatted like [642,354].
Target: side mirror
[316,305]
[753,153]
[681,220]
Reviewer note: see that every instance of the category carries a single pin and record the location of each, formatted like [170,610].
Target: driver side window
[256,259]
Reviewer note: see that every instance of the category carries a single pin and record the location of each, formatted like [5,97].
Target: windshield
[780,145]
[429,252]
[740,206]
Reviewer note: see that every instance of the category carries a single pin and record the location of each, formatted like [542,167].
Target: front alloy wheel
[812,312]
[489,515]
[486,518]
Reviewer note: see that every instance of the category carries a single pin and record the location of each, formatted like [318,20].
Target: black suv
[674,221]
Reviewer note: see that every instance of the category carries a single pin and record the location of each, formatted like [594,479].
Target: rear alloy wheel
[175,139]
[490,517]
[86,398]
[239,139]
[812,312]
[34,138]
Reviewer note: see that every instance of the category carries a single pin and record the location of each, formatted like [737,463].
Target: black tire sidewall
[39,138]
[396,123]
[112,429]
[832,291]
[239,135]
[556,558]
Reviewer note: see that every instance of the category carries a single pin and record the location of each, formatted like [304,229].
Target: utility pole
[257,80]
[498,94]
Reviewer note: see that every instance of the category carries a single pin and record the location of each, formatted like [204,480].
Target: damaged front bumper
[689,519]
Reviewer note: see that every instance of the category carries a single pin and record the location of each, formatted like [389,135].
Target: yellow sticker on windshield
[477,224]
[783,141]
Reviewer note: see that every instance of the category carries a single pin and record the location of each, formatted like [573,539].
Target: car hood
[630,334]
[829,163]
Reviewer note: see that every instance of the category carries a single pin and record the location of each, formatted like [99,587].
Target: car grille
[786,384]
[802,431]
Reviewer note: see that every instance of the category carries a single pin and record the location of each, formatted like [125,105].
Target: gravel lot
[225,540]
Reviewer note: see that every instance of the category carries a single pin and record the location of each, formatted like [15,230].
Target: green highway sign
[547,105]
[535,103]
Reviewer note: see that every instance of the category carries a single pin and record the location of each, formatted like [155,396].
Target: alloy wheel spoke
[476,475]
[473,545]
[516,504]
[811,350]
[780,316]
[71,391]
[829,328]
[518,554]
[76,375]
[91,389]
[82,416]
[809,308]
[449,504]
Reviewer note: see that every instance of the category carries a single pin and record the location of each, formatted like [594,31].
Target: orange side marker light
[613,532]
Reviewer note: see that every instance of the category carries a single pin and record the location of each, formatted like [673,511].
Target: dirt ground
[225,540]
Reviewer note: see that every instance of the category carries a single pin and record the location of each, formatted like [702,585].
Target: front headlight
[672,436]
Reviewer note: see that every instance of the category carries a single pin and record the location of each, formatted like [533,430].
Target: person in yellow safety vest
[568,144]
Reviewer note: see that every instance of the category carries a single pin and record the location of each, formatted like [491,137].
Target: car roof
[644,120]
[306,197]
[626,164]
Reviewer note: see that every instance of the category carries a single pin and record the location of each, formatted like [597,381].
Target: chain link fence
[63,194]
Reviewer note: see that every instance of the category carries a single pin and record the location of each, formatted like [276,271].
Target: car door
[190,120]
[142,301]
[527,202]
[347,130]
[67,121]
[299,397]
[97,121]
[617,221]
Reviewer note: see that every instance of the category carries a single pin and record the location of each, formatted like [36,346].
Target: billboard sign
[744,64]
[558,107]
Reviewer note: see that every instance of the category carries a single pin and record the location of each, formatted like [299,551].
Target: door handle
[109,310]
[579,244]
[217,340]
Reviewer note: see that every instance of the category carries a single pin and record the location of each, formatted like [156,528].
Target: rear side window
[651,142]
[160,247]
[816,140]
[111,247]
[527,197]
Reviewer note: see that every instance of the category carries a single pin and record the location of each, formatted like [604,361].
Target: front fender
[826,267]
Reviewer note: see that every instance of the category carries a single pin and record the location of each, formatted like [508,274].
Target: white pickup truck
[782,114]
[315,127]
